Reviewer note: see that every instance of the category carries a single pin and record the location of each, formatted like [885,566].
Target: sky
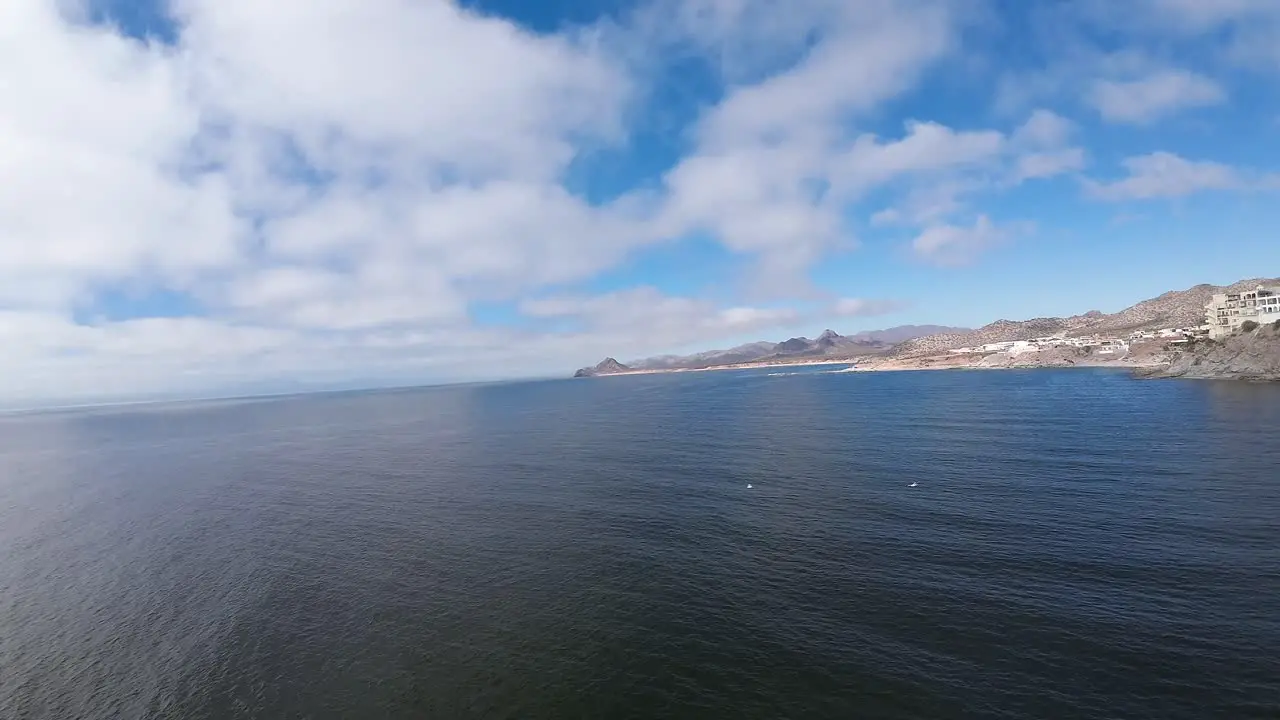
[206,197]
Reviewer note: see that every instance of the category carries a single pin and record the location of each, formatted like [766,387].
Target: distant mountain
[1175,309]
[711,358]
[902,333]
[830,345]
[608,366]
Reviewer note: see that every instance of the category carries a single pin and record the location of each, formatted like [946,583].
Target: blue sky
[220,194]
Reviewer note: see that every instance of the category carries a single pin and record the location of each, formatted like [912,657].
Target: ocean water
[1078,544]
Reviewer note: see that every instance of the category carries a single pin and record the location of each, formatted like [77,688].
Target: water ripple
[1078,545]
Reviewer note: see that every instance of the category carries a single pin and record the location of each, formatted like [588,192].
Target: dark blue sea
[1040,544]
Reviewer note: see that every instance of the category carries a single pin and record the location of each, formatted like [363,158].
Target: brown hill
[608,366]
[830,345]
[1178,308]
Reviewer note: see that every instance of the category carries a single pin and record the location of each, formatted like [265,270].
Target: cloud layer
[334,190]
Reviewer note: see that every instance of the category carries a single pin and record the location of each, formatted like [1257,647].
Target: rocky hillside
[1179,308]
[608,366]
[902,333]
[1253,355]
[829,345]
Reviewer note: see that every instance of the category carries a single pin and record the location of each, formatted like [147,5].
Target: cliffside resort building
[1227,311]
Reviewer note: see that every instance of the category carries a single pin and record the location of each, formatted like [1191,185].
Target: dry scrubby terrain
[1179,308]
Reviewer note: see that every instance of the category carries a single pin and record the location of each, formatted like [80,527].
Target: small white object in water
[748,486]
[913,484]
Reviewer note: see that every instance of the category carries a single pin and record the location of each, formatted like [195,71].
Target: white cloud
[952,245]
[874,52]
[625,318]
[766,199]
[93,129]
[328,176]
[864,307]
[1252,27]
[927,147]
[645,311]
[1043,129]
[745,40]
[441,137]
[334,184]
[757,199]
[416,86]
[1166,175]
[932,202]
[951,167]
[101,137]
[760,174]
[1140,61]
[625,323]
[1150,98]
[436,249]
[1049,164]
[1240,33]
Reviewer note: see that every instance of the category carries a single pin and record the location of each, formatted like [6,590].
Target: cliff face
[1245,356]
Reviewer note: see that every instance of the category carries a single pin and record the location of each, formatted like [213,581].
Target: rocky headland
[608,366]
[1248,355]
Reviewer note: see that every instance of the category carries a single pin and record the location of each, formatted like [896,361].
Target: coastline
[1255,356]
[923,363]
[1171,335]
[738,366]
[935,363]
[980,368]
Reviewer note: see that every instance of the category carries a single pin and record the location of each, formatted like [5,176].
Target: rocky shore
[1251,355]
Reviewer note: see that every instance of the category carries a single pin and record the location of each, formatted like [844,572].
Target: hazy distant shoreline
[741,366]
[1152,335]
[908,365]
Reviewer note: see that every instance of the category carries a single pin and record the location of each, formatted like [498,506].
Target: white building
[1105,344]
[1010,346]
[1017,347]
[1111,346]
[1227,311]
